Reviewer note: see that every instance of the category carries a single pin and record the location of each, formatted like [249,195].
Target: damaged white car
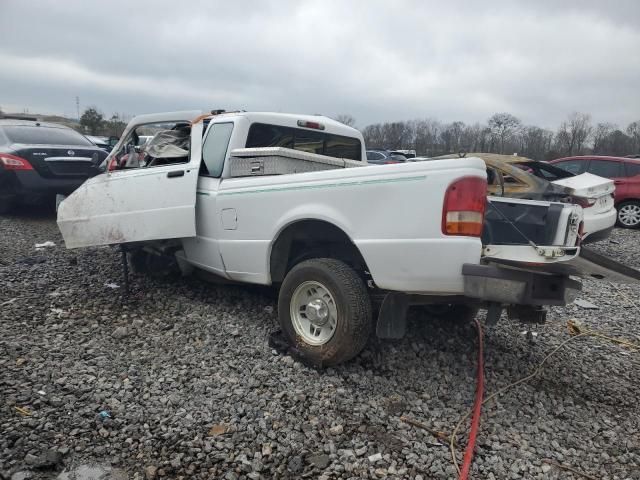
[288,200]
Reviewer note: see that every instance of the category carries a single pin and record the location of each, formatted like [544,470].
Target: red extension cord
[477,410]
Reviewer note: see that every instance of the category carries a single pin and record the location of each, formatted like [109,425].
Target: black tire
[458,313]
[631,204]
[353,306]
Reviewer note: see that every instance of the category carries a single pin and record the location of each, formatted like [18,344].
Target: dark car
[382,157]
[39,160]
[625,173]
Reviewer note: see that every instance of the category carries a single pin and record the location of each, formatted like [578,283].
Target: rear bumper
[599,224]
[517,287]
[30,184]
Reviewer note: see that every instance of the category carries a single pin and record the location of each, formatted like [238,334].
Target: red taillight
[464,203]
[12,162]
[390,162]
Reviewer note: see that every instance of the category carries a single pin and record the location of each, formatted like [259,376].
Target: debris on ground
[585,304]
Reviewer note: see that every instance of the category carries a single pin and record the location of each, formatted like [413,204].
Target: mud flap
[392,318]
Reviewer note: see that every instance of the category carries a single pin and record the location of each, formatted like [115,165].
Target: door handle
[617,182]
[175,173]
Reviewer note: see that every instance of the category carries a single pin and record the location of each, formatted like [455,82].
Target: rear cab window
[33,135]
[339,146]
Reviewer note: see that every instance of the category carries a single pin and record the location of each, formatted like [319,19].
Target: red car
[625,173]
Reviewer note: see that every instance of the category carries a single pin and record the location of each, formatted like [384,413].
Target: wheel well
[312,239]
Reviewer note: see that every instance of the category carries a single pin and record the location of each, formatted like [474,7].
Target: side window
[215,147]
[633,169]
[153,145]
[573,166]
[374,156]
[605,168]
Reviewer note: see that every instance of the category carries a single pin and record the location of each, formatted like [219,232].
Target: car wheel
[324,311]
[629,214]
[452,312]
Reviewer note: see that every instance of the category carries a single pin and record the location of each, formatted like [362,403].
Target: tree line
[93,122]
[504,133]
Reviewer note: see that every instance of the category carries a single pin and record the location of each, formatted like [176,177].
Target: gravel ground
[193,390]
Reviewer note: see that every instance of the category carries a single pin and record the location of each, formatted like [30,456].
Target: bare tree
[633,130]
[535,142]
[601,135]
[503,126]
[574,133]
[426,137]
[346,119]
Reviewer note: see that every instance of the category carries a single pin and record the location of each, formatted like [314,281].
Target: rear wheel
[629,214]
[325,311]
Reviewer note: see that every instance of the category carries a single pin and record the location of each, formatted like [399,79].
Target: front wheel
[629,214]
[325,311]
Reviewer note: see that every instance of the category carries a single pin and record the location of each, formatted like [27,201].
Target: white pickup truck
[275,199]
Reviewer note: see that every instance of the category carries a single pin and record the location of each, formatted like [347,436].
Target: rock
[120,333]
[336,430]
[295,464]
[319,460]
[585,304]
[376,457]
[150,472]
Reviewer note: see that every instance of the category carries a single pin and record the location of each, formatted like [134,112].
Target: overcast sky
[376,60]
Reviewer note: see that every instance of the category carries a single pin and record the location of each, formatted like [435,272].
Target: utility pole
[78,107]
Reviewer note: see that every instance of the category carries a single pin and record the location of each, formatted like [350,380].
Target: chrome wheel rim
[313,313]
[629,215]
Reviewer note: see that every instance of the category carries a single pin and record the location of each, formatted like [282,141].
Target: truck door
[149,192]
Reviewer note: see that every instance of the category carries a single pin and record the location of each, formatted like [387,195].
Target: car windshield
[544,170]
[45,135]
